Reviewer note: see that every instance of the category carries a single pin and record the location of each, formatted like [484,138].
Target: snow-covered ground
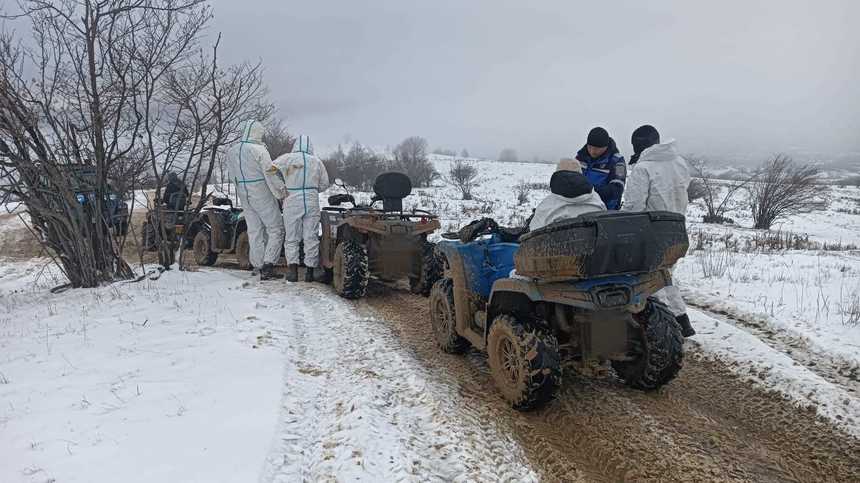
[203,376]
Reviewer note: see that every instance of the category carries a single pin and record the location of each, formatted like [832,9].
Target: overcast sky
[720,77]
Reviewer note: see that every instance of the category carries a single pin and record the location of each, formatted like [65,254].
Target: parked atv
[82,180]
[173,217]
[581,294]
[390,244]
[219,228]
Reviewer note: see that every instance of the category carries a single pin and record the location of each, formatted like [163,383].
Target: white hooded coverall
[247,162]
[659,181]
[305,177]
[556,207]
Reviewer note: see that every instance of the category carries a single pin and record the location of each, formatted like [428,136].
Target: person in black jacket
[174,187]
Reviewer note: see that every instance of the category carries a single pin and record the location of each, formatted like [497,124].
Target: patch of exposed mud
[707,425]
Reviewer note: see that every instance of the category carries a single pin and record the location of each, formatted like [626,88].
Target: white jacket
[248,164]
[556,207]
[658,181]
[304,174]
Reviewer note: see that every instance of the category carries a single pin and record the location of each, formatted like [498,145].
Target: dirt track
[707,425]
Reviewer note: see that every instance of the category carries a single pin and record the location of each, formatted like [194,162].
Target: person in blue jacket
[604,167]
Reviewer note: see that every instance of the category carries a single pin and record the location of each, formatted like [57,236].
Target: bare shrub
[782,189]
[410,157]
[774,241]
[849,309]
[508,155]
[359,167]
[714,197]
[696,189]
[464,153]
[277,138]
[333,163]
[463,176]
[715,262]
[522,190]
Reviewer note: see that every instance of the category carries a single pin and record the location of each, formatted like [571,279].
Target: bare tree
[781,189]
[463,176]
[508,155]
[410,157]
[464,153]
[117,85]
[359,167]
[715,198]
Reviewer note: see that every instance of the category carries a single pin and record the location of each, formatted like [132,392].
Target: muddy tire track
[707,425]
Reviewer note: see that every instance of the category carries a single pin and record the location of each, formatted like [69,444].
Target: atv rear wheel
[243,251]
[350,272]
[524,362]
[443,319]
[661,353]
[203,254]
[431,270]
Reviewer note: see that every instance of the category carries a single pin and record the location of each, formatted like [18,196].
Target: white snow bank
[171,380]
[207,376]
[748,356]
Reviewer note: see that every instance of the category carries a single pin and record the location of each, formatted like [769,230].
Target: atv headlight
[81,198]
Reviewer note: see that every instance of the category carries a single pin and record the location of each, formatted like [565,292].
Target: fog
[723,78]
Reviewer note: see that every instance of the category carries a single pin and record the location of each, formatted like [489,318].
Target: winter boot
[267,272]
[309,274]
[293,273]
[320,275]
[686,328]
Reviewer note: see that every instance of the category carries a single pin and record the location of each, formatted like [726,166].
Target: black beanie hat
[644,137]
[598,137]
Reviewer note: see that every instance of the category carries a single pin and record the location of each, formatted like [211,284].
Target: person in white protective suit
[305,177]
[571,194]
[247,164]
[658,180]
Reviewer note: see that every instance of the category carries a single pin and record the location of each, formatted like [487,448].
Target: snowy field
[210,376]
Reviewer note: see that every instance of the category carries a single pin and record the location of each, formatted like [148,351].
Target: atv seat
[391,188]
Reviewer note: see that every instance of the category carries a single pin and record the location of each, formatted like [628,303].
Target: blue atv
[581,295]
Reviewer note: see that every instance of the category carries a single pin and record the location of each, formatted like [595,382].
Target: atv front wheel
[524,362]
[431,271]
[203,254]
[443,319]
[243,251]
[660,353]
[350,273]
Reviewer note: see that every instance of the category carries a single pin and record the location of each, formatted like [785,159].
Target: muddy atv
[218,229]
[581,295]
[388,243]
[172,220]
